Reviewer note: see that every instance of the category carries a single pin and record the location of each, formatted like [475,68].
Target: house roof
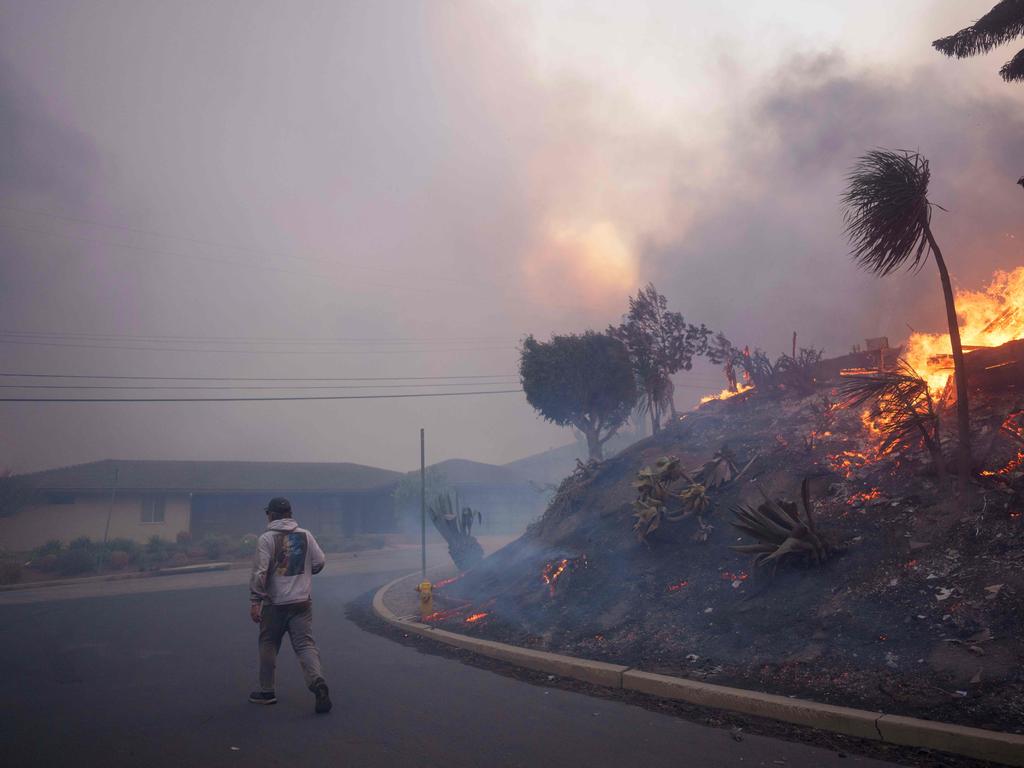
[213,476]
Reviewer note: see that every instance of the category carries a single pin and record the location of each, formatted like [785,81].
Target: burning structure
[918,607]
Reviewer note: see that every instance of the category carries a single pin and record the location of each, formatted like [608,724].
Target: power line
[26,343]
[245,399]
[244,387]
[249,378]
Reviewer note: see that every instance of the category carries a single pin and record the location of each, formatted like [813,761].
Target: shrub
[52,547]
[82,542]
[76,561]
[177,560]
[128,546]
[183,538]
[10,572]
[46,562]
[119,559]
[249,542]
[215,546]
[158,548]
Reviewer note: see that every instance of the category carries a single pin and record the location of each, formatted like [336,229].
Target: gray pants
[297,620]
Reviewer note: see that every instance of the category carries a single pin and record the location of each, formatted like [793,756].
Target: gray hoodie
[286,559]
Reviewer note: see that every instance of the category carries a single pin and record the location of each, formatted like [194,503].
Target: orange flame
[725,394]
[473,618]
[988,318]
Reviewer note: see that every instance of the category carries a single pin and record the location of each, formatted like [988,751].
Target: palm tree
[888,223]
[1001,24]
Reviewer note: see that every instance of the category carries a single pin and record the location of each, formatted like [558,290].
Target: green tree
[660,343]
[888,222]
[1003,23]
[585,381]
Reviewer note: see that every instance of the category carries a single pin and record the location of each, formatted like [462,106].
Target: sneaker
[263,697]
[323,698]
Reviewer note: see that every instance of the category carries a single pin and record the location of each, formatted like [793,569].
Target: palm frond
[902,400]
[887,210]
[1013,69]
[1004,22]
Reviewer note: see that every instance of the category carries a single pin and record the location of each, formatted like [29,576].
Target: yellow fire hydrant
[426,598]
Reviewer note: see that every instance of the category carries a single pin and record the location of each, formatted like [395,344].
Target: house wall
[36,524]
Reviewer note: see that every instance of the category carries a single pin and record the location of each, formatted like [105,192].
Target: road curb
[198,568]
[978,743]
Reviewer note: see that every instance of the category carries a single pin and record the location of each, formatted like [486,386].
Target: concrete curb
[978,743]
[198,568]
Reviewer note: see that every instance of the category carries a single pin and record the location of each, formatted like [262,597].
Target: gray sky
[433,181]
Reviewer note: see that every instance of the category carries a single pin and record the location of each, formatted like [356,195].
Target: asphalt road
[160,678]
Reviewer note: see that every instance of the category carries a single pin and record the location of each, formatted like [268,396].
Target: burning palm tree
[1001,24]
[888,222]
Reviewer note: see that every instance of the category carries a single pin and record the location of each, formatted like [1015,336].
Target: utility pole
[110,511]
[423,505]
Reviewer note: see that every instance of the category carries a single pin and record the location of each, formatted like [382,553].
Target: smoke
[395,170]
[765,254]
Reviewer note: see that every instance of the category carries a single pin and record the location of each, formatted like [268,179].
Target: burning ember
[725,394]
[1013,426]
[988,318]
[553,571]
[473,618]
[442,615]
[677,586]
[846,463]
[863,497]
[446,582]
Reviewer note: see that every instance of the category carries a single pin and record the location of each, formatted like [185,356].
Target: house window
[153,509]
[60,498]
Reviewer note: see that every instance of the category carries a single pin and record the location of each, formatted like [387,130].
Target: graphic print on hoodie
[291,554]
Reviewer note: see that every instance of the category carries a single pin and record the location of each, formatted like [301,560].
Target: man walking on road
[286,559]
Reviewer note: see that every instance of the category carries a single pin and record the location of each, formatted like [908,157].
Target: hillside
[918,610]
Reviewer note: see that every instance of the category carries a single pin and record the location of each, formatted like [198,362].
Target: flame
[473,618]
[1014,425]
[987,318]
[677,586]
[725,394]
[552,572]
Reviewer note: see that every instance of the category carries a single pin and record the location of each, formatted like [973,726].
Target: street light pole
[423,506]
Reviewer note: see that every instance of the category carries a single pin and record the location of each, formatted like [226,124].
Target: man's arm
[260,568]
[316,555]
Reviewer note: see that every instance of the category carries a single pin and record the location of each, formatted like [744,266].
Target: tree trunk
[963,421]
[594,448]
[655,417]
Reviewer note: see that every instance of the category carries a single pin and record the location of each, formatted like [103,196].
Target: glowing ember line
[725,394]
[473,618]
[446,582]
[677,586]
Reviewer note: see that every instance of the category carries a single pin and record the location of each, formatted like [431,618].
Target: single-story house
[141,499]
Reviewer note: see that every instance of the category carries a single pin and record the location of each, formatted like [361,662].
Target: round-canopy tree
[888,222]
[585,381]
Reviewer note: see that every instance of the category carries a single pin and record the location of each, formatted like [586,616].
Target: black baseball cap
[279,506]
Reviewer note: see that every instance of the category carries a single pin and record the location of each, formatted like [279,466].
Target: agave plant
[455,523]
[721,469]
[780,531]
[657,502]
